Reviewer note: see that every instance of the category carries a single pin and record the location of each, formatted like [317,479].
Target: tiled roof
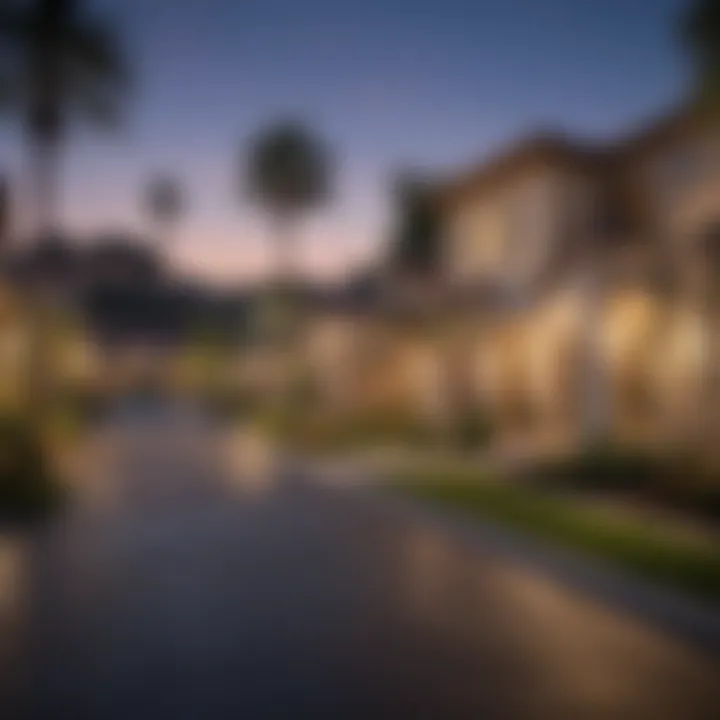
[540,149]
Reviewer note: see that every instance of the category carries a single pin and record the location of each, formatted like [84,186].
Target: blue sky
[388,83]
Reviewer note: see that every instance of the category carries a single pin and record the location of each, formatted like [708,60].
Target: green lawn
[633,545]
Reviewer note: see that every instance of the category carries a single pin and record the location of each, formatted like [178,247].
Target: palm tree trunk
[162,233]
[284,259]
[282,319]
[45,170]
[283,294]
[45,156]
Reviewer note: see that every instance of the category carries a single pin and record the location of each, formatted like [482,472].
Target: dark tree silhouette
[59,65]
[164,202]
[416,241]
[701,36]
[287,173]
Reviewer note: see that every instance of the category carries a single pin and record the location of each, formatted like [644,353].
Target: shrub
[472,431]
[389,428]
[228,405]
[677,481]
[322,431]
[75,408]
[607,467]
[639,546]
[26,485]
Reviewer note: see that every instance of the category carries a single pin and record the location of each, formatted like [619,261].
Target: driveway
[185,585]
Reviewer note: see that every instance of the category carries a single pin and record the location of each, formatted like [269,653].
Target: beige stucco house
[634,224]
[549,248]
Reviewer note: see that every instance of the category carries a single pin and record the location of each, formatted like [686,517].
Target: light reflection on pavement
[173,589]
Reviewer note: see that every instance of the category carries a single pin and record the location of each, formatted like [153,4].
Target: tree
[416,242]
[701,35]
[287,173]
[59,64]
[164,202]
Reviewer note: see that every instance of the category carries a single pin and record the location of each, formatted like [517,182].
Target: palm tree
[288,174]
[59,64]
[701,35]
[164,203]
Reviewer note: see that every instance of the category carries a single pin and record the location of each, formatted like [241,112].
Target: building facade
[604,265]
[575,296]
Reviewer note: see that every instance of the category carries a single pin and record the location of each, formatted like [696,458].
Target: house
[549,222]
[547,246]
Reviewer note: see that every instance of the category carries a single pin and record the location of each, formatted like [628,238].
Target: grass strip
[636,546]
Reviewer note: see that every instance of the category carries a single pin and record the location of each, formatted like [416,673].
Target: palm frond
[288,168]
[14,34]
[700,33]
[55,62]
[97,105]
[94,48]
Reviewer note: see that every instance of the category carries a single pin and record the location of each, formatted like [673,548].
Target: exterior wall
[362,365]
[528,369]
[331,354]
[678,371]
[506,237]
[476,240]
[682,181]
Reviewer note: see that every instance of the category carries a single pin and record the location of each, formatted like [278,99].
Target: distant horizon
[427,84]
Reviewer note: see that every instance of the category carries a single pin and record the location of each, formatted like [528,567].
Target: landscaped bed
[647,549]
[326,434]
[28,488]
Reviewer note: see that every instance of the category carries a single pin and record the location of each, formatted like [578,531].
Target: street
[177,586]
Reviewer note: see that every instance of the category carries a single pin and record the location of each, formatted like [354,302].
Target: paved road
[179,587]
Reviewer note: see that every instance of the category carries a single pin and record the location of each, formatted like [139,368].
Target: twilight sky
[434,84]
